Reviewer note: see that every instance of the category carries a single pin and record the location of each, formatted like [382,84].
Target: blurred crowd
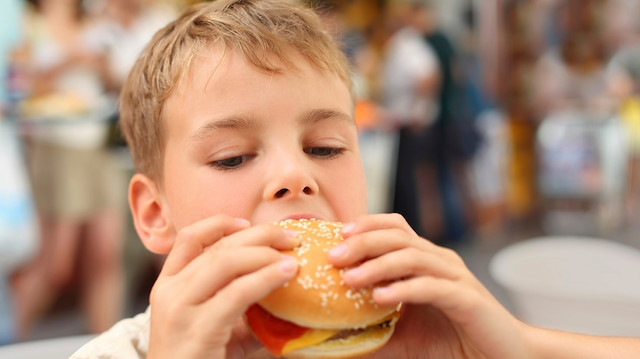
[63,72]
[473,115]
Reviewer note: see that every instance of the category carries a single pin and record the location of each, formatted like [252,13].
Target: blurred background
[484,122]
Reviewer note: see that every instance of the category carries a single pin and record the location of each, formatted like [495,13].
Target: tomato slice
[272,332]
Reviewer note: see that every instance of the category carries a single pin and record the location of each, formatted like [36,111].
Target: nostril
[307,190]
[281,193]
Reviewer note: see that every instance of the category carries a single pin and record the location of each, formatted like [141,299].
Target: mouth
[302,216]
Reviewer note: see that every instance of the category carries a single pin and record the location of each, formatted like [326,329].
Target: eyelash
[332,151]
[223,164]
[220,164]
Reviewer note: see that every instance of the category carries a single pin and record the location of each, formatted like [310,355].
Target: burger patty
[343,334]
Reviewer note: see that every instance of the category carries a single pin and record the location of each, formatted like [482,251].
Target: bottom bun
[351,347]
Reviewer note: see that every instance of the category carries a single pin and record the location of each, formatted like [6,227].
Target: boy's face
[259,146]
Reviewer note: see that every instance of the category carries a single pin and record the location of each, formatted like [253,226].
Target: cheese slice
[308,339]
[316,336]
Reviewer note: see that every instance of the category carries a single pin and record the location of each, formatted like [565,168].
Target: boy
[239,114]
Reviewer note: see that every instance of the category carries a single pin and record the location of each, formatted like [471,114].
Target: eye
[326,152]
[231,162]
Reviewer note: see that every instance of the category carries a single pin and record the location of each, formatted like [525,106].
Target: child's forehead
[219,75]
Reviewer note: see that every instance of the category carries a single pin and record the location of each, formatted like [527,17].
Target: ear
[150,215]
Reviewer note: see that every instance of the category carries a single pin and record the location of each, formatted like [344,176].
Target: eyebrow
[317,115]
[232,122]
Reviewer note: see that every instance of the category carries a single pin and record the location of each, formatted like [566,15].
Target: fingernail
[243,222]
[381,292]
[338,251]
[288,264]
[348,228]
[293,235]
[353,273]
[290,233]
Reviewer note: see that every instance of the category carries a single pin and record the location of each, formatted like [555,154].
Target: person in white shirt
[410,78]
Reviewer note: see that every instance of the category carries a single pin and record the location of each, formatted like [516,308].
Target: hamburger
[316,315]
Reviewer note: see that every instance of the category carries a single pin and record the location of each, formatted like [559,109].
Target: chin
[316,315]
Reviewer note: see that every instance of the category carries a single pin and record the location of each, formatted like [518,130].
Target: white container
[577,284]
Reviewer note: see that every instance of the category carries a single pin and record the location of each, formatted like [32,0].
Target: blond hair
[260,30]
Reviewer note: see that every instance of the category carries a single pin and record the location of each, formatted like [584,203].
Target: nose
[290,179]
[284,191]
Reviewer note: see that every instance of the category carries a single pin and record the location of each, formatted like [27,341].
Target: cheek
[206,193]
[350,191]
[232,196]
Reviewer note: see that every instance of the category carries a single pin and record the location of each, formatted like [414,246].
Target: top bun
[317,297]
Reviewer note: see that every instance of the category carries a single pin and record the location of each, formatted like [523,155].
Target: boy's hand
[449,313]
[215,270]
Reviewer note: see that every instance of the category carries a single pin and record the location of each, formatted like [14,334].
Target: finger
[215,269]
[374,222]
[263,235]
[382,222]
[453,299]
[233,300]
[401,264]
[193,239]
[371,245]
[221,262]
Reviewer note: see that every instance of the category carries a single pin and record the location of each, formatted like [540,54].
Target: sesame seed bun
[317,297]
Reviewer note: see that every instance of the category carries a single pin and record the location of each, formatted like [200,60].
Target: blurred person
[488,166]
[409,80]
[581,144]
[123,28]
[571,75]
[77,188]
[449,144]
[126,26]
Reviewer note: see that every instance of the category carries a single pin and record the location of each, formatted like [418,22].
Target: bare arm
[546,343]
